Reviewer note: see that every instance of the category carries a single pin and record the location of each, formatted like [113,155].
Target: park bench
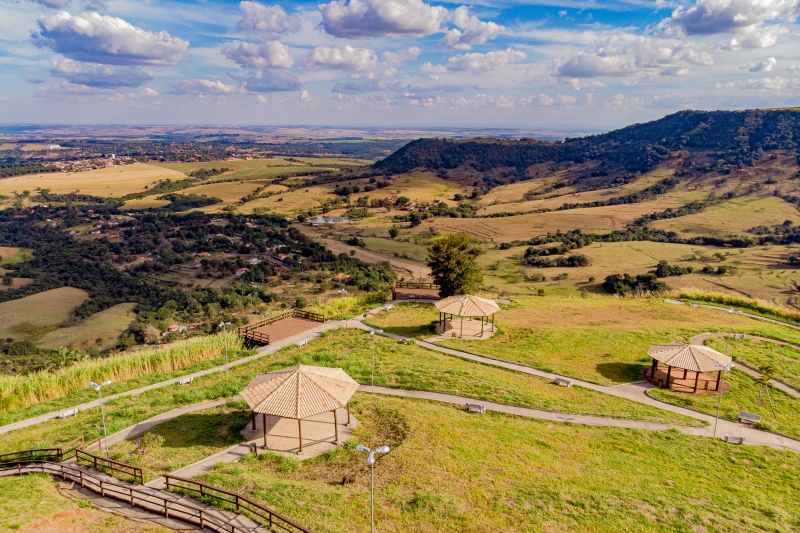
[563,382]
[733,440]
[186,381]
[739,335]
[694,304]
[475,408]
[302,343]
[748,418]
[66,414]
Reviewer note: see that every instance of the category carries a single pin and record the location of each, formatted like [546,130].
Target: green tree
[7,279]
[394,232]
[452,263]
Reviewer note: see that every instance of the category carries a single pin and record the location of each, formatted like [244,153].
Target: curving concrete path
[700,340]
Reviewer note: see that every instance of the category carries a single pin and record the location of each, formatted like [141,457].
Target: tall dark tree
[453,267]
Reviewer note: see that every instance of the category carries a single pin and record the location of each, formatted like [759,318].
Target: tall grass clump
[23,391]
[352,305]
[756,306]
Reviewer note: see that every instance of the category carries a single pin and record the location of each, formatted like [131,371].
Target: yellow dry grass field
[105,325]
[230,191]
[293,202]
[144,203]
[523,227]
[45,309]
[732,217]
[105,182]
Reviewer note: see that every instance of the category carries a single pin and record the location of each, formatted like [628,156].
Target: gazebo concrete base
[706,381]
[282,434]
[472,329]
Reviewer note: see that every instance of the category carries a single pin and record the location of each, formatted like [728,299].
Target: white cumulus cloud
[96,38]
[471,30]
[265,22]
[764,66]
[202,87]
[488,61]
[361,19]
[270,54]
[97,75]
[709,17]
[344,58]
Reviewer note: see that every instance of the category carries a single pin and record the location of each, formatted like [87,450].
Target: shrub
[623,284]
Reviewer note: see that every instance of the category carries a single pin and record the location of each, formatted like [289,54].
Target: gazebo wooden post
[653,369]
[300,434]
[492,321]
[696,379]
[481,326]
[254,419]
[669,371]
[336,426]
[264,422]
[684,373]
[348,413]
[719,375]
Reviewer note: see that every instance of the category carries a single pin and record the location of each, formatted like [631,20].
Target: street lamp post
[225,340]
[371,463]
[372,333]
[99,389]
[343,292]
[726,368]
[730,328]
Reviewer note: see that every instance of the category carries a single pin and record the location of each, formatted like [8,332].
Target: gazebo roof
[688,356]
[473,306]
[299,391]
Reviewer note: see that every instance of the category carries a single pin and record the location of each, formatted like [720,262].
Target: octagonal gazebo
[689,358]
[466,305]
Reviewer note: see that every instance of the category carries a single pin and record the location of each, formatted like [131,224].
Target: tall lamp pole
[726,368]
[99,390]
[225,340]
[372,333]
[343,292]
[371,463]
[730,328]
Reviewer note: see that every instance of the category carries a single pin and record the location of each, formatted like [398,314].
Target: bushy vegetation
[6,171]
[664,270]
[624,284]
[726,300]
[182,202]
[205,173]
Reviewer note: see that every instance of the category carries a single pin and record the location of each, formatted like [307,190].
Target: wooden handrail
[149,500]
[249,332]
[270,517]
[415,285]
[115,466]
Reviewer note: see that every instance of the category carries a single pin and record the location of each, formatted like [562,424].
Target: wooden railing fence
[248,331]
[149,500]
[269,517]
[115,467]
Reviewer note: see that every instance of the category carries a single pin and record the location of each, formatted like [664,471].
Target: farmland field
[21,318]
[105,325]
[732,217]
[104,182]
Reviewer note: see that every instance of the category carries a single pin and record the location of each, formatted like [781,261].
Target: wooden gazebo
[689,358]
[466,305]
[300,392]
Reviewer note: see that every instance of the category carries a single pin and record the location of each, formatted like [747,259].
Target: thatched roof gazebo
[300,392]
[466,305]
[689,358]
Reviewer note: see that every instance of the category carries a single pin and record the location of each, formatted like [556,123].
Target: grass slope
[21,318]
[105,325]
[449,471]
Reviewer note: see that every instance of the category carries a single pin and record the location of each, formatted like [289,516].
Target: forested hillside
[708,141]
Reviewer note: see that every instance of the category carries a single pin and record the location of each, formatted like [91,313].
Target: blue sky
[393,63]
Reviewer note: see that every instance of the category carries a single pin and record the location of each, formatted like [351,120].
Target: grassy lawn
[600,339]
[34,504]
[755,353]
[22,318]
[397,365]
[744,396]
[449,471]
[105,325]
[187,439]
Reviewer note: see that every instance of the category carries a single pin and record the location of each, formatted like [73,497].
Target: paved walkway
[700,340]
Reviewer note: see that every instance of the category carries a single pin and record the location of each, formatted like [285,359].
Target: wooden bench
[389,307]
[748,418]
[733,440]
[694,304]
[66,414]
[739,335]
[186,381]
[302,343]
[475,408]
[561,382]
